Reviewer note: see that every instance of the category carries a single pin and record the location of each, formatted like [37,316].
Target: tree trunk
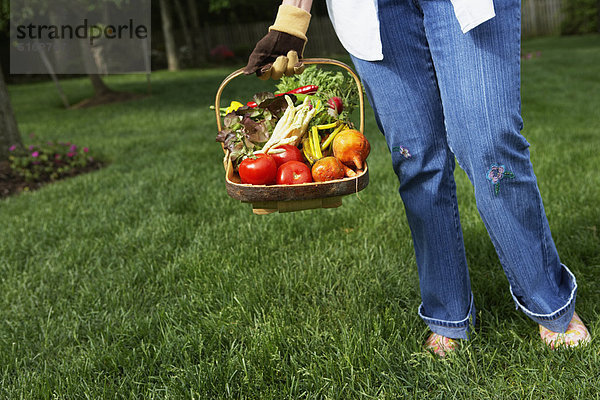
[199,51]
[92,69]
[167,28]
[9,132]
[189,41]
[98,84]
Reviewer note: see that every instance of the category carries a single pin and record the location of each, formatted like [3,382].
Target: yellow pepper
[233,106]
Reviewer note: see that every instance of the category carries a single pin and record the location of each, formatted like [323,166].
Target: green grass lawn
[145,280]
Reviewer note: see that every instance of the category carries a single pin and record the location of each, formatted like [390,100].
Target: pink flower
[73,148]
[85,149]
[57,156]
[35,154]
[31,147]
[12,148]
[70,154]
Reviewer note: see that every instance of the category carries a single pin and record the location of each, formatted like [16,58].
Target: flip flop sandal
[440,345]
[575,335]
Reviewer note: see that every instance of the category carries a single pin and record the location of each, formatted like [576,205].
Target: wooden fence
[538,18]
[322,39]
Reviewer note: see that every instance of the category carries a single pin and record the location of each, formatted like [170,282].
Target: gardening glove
[278,53]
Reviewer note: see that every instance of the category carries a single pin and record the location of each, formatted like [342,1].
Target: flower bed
[30,167]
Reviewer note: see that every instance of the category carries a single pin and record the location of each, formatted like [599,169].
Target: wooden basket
[267,199]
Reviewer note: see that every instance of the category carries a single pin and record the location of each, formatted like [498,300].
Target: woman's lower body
[440,94]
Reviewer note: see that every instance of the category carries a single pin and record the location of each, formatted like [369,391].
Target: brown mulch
[12,183]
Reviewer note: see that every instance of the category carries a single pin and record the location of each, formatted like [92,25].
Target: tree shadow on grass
[107,98]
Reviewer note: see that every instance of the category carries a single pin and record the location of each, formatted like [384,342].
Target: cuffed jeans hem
[452,329]
[559,320]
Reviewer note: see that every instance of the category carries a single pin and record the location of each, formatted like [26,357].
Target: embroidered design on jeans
[496,173]
[402,150]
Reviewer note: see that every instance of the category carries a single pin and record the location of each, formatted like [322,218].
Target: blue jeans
[438,95]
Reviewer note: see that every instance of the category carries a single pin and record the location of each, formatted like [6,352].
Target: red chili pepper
[308,89]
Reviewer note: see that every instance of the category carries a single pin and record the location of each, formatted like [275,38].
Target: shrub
[580,16]
[49,161]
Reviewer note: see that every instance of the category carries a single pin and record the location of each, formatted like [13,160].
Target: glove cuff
[291,20]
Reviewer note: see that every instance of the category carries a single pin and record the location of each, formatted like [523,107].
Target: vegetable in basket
[338,87]
[246,129]
[292,125]
[327,169]
[293,173]
[288,153]
[308,89]
[305,127]
[258,170]
[351,148]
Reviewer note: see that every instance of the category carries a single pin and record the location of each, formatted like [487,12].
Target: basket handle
[306,61]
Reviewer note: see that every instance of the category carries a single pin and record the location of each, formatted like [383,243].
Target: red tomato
[293,172]
[291,153]
[260,170]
